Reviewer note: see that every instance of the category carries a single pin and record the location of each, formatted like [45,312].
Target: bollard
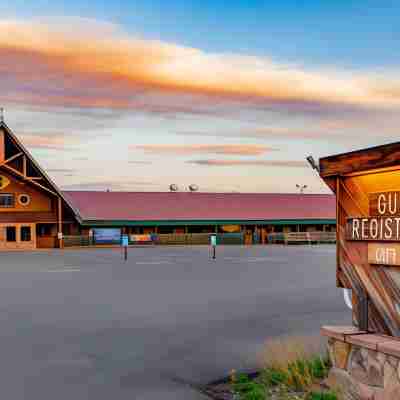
[124,243]
[213,240]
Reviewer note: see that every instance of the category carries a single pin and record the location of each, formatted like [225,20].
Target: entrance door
[248,237]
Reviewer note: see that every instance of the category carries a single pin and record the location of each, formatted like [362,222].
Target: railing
[204,239]
[182,238]
[302,237]
[77,240]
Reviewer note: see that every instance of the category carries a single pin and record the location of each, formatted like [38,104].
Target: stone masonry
[365,366]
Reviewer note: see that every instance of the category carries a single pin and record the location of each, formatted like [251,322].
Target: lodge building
[35,213]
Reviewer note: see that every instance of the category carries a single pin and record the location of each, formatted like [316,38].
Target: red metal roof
[148,206]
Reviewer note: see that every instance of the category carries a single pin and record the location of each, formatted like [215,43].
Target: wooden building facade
[33,211]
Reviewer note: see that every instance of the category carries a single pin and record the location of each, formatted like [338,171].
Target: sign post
[125,242]
[213,241]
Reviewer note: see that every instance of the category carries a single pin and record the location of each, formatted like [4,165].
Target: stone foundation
[364,366]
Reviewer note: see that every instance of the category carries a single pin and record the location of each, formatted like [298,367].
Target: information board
[107,235]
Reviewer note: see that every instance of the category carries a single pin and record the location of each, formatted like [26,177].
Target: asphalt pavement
[84,324]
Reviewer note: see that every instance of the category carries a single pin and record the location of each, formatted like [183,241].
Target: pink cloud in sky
[66,64]
[249,163]
[228,149]
[55,142]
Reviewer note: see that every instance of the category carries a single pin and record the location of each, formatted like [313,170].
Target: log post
[59,224]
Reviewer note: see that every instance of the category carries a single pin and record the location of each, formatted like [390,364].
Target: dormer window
[7,200]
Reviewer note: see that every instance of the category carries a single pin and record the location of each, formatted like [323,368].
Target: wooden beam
[386,156]
[337,230]
[29,180]
[24,166]
[11,159]
[2,145]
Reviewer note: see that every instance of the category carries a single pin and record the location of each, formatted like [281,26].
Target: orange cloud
[55,142]
[71,65]
[249,163]
[232,149]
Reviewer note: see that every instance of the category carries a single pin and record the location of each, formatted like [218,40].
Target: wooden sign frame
[368,262]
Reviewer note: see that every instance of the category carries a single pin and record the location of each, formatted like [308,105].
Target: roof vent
[173,187]
[193,188]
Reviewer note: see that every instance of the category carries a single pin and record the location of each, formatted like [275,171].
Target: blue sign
[107,235]
[125,240]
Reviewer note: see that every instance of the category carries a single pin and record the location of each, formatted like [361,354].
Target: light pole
[301,187]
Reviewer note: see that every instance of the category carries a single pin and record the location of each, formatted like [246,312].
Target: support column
[59,224]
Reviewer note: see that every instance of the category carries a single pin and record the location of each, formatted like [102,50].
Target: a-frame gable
[16,160]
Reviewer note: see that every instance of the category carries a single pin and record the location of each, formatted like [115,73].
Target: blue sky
[232,98]
[360,33]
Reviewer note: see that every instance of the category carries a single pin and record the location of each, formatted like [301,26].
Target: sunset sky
[137,95]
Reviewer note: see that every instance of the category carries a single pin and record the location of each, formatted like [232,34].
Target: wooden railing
[182,238]
[78,240]
[222,239]
[302,237]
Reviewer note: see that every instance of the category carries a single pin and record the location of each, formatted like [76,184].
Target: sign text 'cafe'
[381,228]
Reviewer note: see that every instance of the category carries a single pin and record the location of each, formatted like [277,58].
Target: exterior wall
[39,200]
[40,209]
[18,244]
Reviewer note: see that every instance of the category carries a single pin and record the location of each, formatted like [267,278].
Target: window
[24,199]
[25,233]
[7,200]
[44,230]
[11,234]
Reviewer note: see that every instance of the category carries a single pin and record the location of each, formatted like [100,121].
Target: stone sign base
[365,366]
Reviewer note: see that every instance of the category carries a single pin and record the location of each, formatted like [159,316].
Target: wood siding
[40,201]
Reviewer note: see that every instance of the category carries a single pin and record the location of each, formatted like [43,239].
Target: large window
[7,200]
[25,233]
[11,234]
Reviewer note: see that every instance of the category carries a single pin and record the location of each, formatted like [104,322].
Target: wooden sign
[384,253]
[383,224]
[367,187]
[373,229]
[384,204]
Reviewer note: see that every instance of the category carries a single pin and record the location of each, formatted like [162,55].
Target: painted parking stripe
[152,262]
[61,270]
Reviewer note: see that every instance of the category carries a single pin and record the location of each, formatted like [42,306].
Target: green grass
[291,371]
[248,389]
[297,375]
[321,396]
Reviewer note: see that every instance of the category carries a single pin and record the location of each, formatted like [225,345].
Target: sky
[232,97]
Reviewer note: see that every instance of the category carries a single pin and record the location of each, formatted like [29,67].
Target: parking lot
[84,324]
